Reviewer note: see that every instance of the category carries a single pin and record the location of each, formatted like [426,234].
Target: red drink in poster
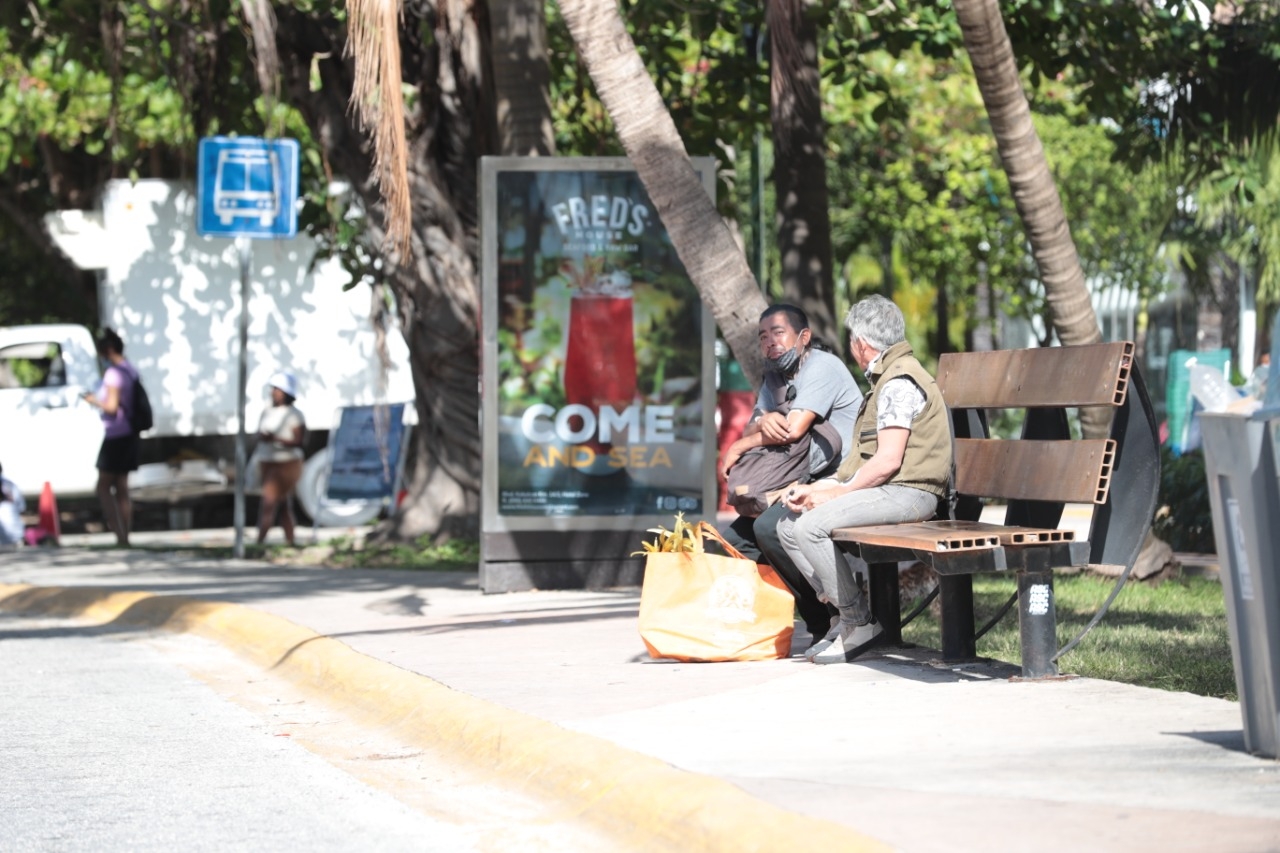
[600,361]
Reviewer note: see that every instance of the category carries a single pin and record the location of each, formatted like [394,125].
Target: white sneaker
[826,641]
[849,642]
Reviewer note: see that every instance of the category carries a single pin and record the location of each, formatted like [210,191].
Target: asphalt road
[115,740]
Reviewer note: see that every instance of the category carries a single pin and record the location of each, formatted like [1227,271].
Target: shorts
[119,455]
[279,479]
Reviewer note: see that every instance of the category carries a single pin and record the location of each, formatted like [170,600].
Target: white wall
[174,297]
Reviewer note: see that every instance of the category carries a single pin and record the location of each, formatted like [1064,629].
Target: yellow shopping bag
[696,606]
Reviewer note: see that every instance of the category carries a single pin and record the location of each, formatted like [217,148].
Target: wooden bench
[1036,475]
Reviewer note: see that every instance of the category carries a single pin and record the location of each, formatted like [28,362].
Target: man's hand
[805,497]
[730,458]
[776,428]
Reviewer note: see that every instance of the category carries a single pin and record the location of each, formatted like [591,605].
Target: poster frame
[494,522]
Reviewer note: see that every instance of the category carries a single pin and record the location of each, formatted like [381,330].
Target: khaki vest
[926,465]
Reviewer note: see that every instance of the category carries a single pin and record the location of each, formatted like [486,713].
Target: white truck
[174,297]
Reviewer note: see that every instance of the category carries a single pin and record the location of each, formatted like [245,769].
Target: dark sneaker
[849,642]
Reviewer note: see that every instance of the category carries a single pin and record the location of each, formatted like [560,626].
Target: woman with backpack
[119,454]
[281,434]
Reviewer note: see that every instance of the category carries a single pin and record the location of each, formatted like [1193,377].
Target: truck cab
[47,432]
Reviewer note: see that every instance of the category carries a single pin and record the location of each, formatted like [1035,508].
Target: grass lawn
[454,555]
[341,552]
[1172,635]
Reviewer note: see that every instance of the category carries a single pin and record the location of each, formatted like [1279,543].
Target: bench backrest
[1046,468]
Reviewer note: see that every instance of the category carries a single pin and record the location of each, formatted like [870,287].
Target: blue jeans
[807,540]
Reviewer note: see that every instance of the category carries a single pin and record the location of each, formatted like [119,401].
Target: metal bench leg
[1037,624]
[956,595]
[886,604]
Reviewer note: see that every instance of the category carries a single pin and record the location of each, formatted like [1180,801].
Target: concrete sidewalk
[555,690]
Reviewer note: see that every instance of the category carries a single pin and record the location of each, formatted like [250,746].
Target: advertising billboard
[598,391]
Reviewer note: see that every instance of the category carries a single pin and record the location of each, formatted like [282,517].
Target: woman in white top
[281,433]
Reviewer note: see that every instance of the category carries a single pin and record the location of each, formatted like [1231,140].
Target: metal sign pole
[244,247]
[247,187]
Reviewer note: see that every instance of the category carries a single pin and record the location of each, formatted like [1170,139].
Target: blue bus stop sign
[247,187]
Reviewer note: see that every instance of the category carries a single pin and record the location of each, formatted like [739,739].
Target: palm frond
[373,42]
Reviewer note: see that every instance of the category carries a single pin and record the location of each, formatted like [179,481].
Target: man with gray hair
[898,468]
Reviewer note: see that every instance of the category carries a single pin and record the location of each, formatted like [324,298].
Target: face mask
[784,364]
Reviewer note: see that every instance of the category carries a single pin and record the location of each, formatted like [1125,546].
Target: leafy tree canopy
[91,91]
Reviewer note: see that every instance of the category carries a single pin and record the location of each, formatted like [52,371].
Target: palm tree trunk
[712,258]
[800,165]
[1022,154]
[1034,191]
[521,78]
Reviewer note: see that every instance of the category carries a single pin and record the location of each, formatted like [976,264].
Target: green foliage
[27,373]
[31,292]
[1236,211]
[924,187]
[706,63]
[919,202]
[74,111]
[60,88]
[1170,76]
[345,552]
[1184,518]
[1172,636]
[1118,218]
[453,555]
[918,185]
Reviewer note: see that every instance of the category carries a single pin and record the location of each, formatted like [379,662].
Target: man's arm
[891,448]
[900,402]
[770,428]
[111,380]
[777,428]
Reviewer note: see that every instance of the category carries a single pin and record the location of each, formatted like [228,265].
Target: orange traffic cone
[49,519]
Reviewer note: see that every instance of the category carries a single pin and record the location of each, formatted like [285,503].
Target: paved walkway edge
[642,802]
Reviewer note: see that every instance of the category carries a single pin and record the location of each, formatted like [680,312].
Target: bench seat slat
[946,536]
[1006,535]
[1065,471]
[1039,557]
[1089,375]
[923,536]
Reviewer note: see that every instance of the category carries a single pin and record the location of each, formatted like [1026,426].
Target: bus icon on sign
[247,183]
[247,187]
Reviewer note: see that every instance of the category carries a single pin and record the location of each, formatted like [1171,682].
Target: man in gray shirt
[803,386]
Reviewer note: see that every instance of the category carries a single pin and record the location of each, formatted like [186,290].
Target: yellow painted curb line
[641,801]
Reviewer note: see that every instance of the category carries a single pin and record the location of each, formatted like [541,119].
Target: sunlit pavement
[898,746]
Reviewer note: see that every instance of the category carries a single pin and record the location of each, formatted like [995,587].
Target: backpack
[141,418]
[760,474]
